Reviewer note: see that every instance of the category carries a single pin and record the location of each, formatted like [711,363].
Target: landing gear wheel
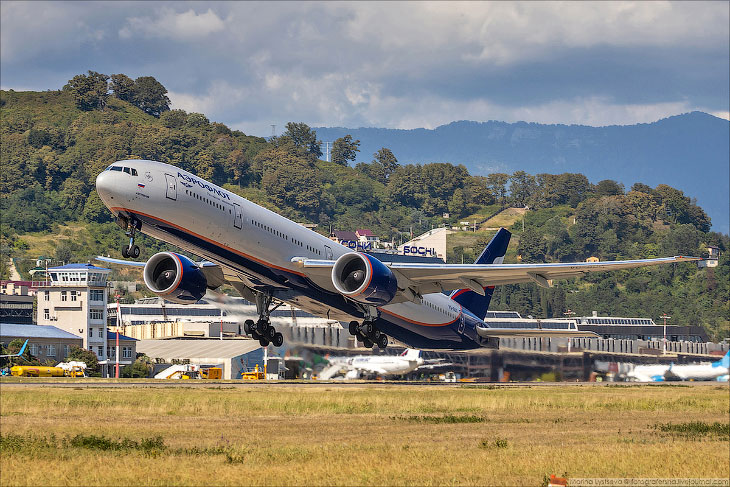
[263,342]
[125,252]
[367,343]
[367,328]
[248,326]
[261,326]
[270,333]
[278,339]
[382,341]
[353,327]
[134,252]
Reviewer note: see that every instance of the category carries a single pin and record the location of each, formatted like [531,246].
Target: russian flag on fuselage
[492,253]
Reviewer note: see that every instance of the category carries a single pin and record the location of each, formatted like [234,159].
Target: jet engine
[174,277]
[364,278]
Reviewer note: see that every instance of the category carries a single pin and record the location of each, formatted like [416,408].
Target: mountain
[690,152]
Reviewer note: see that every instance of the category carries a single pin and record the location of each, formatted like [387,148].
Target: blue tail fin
[723,362]
[492,254]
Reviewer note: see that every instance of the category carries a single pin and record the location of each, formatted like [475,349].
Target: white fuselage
[253,245]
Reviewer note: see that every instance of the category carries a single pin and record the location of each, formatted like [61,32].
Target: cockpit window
[134,172]
[115,168]
[126,169]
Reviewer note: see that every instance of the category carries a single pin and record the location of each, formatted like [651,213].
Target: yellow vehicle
[68,370]
[211,373]
[253,374]
[37,371]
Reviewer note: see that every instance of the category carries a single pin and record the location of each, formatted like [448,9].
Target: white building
[75,301]
[430,244]
[233,356]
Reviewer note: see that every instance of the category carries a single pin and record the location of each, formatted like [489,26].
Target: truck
[63,369]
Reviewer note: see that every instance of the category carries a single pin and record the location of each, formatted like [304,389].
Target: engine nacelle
[174,277]
[364,278]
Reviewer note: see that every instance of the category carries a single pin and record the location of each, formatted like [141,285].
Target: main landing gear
[262,330]
[130,228]
[368,334]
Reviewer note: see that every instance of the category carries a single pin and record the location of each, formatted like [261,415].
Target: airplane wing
[212,271]
[423,278]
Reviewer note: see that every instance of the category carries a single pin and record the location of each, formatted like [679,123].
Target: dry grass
[505,218]
[358,435]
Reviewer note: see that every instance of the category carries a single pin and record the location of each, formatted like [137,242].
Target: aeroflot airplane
[271,260]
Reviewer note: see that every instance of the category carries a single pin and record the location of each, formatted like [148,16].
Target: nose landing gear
[130,227]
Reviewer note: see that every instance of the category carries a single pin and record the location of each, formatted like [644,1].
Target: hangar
[233,356]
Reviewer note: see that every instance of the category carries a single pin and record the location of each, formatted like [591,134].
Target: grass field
[358,434]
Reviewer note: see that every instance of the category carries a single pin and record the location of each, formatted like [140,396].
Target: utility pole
[664,346]
[273,130]
[119,327]
[569,314]
[327,151]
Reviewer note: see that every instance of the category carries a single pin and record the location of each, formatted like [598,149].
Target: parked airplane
[705,371]
[271,260]
[22,349]
[660,373]
[365,365]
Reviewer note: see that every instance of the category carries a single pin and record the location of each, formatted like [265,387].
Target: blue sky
[396,65]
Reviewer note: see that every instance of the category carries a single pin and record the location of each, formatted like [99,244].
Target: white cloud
[395,64]
[220,95]
[174,25]
[721,114]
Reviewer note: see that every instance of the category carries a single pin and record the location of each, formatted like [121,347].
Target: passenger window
[126,169]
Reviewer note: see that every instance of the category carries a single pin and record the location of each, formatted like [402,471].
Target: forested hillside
[54,144]
[688,151]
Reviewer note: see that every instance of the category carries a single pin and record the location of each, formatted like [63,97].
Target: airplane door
[171,186]
[328,252]
[237,216]
[461,323]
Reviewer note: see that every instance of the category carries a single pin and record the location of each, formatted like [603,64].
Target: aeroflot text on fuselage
[202,184]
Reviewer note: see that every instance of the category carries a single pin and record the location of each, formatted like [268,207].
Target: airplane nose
[105,186]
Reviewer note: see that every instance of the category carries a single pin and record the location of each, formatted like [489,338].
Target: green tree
[95,210]
[522,188]
[681,240]
[532,246]
[174,119]
[138,369]
[345,149]
[405,186]
[123,87]
[196,120]
[497,185]
[304,138]
[150,96]
[383,165]
[89,91]
[608,187]
[290,180]
[86,356]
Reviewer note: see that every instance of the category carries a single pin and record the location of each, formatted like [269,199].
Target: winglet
[22,349]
